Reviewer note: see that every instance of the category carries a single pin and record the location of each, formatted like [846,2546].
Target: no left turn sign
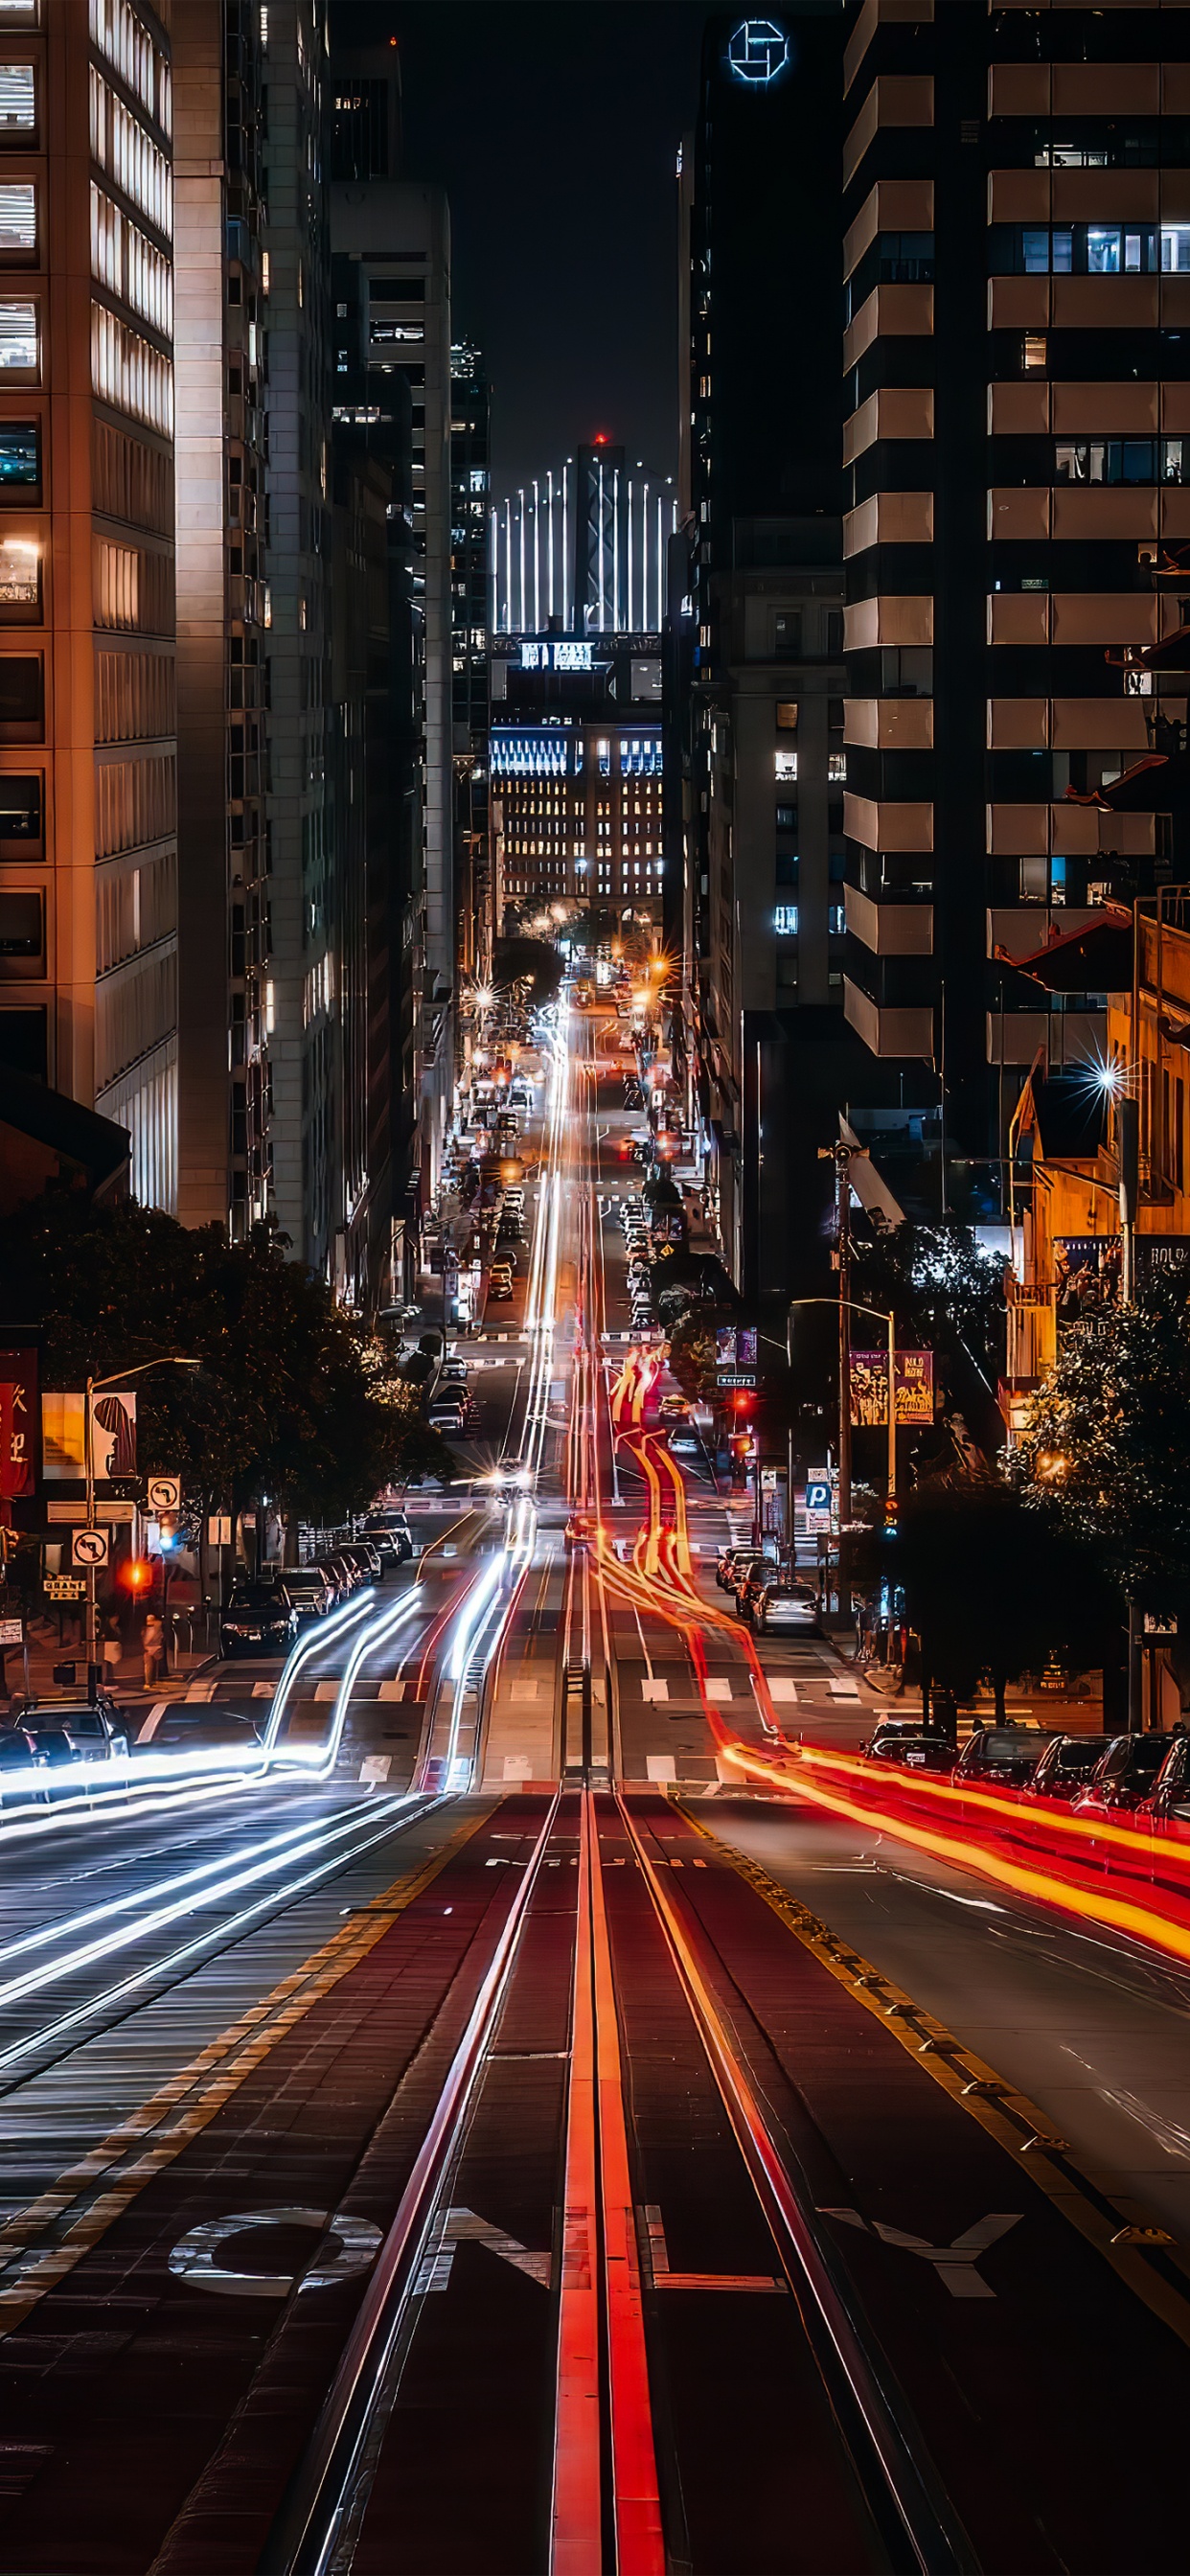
[89,1547]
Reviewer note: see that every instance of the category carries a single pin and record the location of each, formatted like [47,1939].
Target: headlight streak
[380,1823]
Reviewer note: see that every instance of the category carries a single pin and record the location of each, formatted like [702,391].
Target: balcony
[890,929]
[896,1033]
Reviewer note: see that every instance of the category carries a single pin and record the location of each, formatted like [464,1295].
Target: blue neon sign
[758,52]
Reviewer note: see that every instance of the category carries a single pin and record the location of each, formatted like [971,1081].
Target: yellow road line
[1120,2233]
[210,2079]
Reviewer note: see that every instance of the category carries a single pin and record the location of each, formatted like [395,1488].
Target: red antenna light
[601,439]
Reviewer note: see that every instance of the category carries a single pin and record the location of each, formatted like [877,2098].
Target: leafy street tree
[993,1584]
[289,1401]
[1108,1446]
[947,1296]
[692,1356]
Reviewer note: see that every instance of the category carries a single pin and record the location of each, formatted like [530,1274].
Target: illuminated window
[787,715]
[19,352]
[786,764]
[1036,353]
[18,106]
[18,218]
[785,921]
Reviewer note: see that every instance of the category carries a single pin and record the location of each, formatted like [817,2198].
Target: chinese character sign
[914,1389]
[18,1420]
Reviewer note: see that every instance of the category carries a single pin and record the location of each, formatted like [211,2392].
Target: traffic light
[135,1574]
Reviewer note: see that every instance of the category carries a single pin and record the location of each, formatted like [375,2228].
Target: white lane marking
[654,1689]
[355,2243]
[954,2264]
[462,2227]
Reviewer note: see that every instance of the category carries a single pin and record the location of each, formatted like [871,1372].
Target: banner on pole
[913,1387]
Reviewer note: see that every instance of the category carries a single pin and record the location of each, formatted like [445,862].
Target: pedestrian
[152,1641]
[113,1646]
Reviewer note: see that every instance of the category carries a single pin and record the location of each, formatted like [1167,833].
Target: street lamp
[95,1386]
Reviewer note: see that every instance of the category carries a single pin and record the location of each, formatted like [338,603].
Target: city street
[485,2058]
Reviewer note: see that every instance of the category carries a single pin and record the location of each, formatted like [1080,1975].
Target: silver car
[785,1605]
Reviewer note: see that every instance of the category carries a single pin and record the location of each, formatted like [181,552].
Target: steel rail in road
[903,2493]
[307,2526]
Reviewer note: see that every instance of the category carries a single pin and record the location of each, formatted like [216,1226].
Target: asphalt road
[504,2145]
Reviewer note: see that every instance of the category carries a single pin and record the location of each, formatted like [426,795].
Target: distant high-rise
[757,627]
[1017,374]
[227,995]
[88,802]
[470,474]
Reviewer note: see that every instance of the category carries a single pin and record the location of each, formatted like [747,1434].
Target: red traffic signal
[135,1574]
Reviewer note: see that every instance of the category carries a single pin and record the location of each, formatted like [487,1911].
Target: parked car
[1000,1757]
[510,1230]
[755,1579]
[500,1278]
[259,1618]
[310,1591]
[203,1729]
[392,1527]
[72,1730]
[1066,1766]
[784,1605]
[725,1561]
[911,1752]
[1123,1777]
[446,1415]
[345,1579]
[364,1553]
[674,1408]
[453,1373]
[745,1564]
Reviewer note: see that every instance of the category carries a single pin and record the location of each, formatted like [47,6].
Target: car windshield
[1079,1753]
[75,1721]
[258,1597]
[1146,1756]
[1006,1744]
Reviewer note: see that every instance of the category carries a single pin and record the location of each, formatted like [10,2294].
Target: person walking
[152,1642]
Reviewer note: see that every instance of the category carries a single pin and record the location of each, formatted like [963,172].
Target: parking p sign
[88,1547]
[818,1503]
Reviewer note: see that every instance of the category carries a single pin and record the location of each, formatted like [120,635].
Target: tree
[285,1403]
[533,961]
[692,1356]
[1108,1445]
[992,1585]
[947,1295]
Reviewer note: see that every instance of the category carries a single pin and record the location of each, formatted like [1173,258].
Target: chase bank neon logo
[758,52]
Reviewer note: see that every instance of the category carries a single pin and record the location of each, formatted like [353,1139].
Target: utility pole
[843,1220]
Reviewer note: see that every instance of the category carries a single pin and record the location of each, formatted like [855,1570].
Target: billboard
[913,1387]
[113,1431]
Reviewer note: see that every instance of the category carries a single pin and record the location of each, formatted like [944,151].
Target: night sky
[554,127]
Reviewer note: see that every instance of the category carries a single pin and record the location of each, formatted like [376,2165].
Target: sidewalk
[125,1682]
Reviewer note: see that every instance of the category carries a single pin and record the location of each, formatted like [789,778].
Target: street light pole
[95,1386]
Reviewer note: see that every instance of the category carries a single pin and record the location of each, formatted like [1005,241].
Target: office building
[392,261]
[470,590]
[227,993]
[577,768]
[1017,372]
[756,642]
[88,812]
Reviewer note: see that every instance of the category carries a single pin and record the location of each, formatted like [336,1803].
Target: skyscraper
[470,475]
[757,603]
[393,237]
[226,986]
[1017,365]
[88,813]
